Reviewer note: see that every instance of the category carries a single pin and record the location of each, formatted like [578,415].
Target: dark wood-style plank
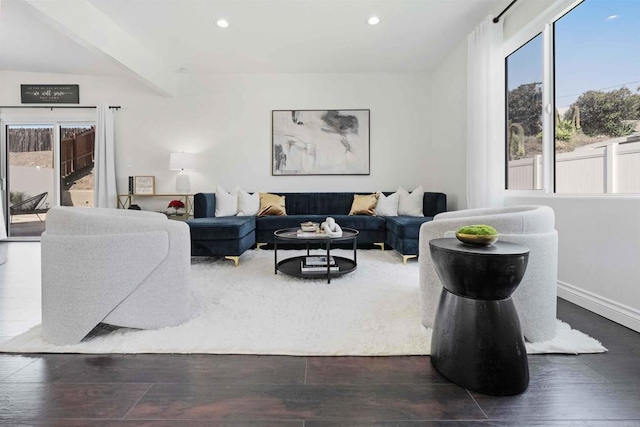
[474,423]
[147,423]
[415,370]
[10,364]
[164,368]
[566,402]
[389,401]
[561,369]
[46,400]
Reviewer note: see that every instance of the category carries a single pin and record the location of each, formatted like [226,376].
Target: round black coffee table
[476,341]
[293,265]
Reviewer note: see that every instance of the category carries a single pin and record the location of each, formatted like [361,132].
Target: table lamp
[182,162]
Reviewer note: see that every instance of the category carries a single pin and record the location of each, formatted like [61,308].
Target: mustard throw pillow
[364,204]
[271,204]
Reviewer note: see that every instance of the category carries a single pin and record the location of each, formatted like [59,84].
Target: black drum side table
[476,341]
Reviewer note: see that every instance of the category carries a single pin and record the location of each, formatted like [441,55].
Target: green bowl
[477,239]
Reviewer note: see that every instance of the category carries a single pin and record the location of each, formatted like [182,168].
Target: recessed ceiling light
[222,23]
[374,20]
[184,70]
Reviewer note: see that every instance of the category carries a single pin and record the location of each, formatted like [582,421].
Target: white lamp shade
[182,161]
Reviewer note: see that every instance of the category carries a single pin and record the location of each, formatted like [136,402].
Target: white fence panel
[521,174]
[32,181]
[525,174]
[585,170]
[579,172]
[629,168]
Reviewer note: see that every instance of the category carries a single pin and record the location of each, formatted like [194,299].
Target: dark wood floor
[210,390]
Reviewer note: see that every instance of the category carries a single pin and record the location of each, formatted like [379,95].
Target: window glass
[30,177]
[77,147]
[597,81]
[524,116]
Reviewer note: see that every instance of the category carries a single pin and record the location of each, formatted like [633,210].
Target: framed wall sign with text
[144,185]
[50,94]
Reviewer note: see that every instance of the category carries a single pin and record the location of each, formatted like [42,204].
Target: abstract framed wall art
[320,142]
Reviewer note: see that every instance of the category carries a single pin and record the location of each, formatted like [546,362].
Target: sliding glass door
[49,164]
[30,177]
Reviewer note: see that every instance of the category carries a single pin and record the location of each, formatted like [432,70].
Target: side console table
[477,342]
[126,200]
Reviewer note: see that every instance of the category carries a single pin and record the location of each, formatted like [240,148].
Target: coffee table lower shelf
[291,266]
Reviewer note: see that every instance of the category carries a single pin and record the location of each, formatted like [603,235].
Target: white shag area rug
[373,311]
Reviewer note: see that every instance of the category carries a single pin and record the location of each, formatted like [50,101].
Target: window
[593,62]
[524,116]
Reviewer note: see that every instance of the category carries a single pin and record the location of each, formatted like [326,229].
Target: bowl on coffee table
[309,226]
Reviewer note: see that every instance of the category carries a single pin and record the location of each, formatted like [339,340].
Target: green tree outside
[606,113]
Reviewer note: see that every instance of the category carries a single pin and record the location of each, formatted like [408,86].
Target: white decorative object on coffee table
[331,228]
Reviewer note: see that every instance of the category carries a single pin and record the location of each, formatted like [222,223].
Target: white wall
[599,252]
[448,149]
[226,120]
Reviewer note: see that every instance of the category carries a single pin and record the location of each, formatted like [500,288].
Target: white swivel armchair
[120,267]
[530,226]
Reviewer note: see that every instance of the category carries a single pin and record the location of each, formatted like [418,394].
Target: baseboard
[605,307]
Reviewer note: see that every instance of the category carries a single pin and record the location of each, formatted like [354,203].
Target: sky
[597,47]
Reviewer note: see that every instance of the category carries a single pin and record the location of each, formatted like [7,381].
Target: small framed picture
[144,185]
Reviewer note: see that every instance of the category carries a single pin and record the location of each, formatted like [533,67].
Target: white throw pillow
[248,204]
[226,203]
[387,205]
[411,204]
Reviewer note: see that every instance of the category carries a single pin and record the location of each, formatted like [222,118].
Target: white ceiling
[264,36]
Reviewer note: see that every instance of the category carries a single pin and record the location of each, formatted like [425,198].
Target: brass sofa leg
[405,258]
[235,259]
[259,245]
[381,244]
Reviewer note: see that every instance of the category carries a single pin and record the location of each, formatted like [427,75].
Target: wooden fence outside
[77,153]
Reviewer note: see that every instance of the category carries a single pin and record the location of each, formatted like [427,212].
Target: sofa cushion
[226,203]
[387,205]
[411,204]
[272,204]
[406,227]
[248,204]
[327,204]
[364,204]
[226,247]
[221,228]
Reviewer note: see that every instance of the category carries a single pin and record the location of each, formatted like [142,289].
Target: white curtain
[3,228]
[485,116]
[105,194]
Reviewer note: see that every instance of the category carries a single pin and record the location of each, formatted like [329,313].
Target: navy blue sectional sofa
[231,236]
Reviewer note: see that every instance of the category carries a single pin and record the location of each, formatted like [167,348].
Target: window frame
[56,119]
[542,24]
